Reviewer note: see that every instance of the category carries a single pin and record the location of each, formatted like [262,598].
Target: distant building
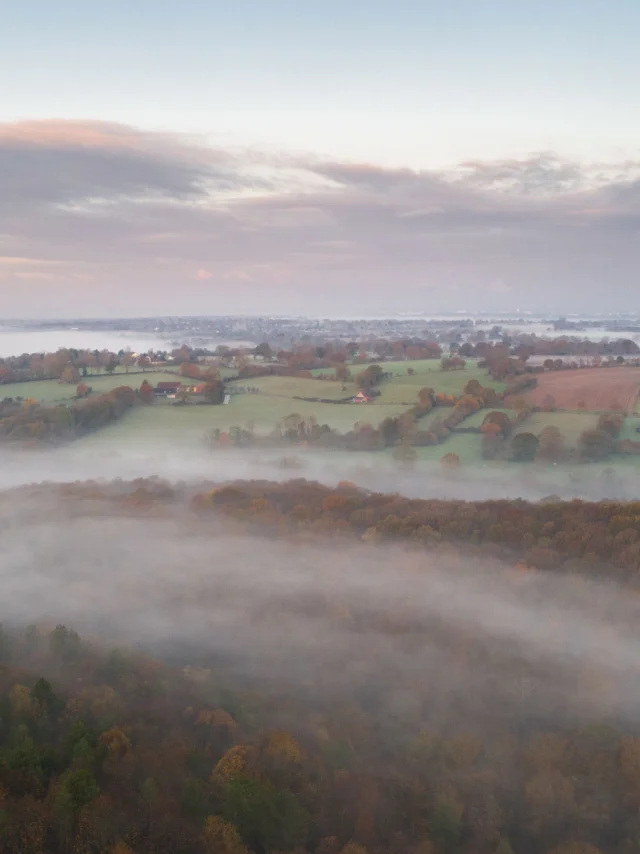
[167,388]
[361,397]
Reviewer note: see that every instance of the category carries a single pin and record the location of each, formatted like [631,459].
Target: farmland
[570,424]
[595,389]
[188,424]
[275,397]
[52,391]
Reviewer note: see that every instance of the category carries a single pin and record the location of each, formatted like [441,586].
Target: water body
[14,342]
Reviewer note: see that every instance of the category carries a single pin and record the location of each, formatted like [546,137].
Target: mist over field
[193,462]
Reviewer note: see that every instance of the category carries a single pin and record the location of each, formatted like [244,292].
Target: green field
[570,424]
[276,399]
[51,391]
[189,424]
[300,387]
[629,428]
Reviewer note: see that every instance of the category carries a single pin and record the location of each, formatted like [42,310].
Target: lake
[14,342]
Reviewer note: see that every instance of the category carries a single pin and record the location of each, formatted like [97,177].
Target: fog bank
[479,641]
[188,459]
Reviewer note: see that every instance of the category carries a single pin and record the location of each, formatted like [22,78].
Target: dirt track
[593,389]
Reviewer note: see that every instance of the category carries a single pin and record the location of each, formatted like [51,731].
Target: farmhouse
[166,389]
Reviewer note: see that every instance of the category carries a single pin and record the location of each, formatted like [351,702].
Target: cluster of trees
[28,420]
[67,365]
[370,377]
[400,349]
[528,345]
[333,355]
[112,752]
[453,363]
[574,537]
[549,446]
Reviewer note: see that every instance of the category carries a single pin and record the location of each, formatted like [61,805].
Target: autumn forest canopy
[287,667]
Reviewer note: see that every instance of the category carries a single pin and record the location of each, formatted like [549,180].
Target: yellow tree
[221,837]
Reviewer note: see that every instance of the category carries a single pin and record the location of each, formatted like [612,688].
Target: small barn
[361,397]
[166,389]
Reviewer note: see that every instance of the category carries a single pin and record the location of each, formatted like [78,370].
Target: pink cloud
[201,275]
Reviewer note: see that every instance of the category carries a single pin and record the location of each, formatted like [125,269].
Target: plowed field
[591,389]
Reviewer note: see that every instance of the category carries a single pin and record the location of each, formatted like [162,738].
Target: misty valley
[261,666]
[366,587]
[319,427]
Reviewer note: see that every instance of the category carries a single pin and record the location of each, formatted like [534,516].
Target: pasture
[52,391]
[300,387]
[570,424]
[280,396]
[190,424]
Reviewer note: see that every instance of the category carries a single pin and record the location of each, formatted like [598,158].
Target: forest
[262,667]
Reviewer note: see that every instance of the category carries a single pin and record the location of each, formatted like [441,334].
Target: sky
[286,156]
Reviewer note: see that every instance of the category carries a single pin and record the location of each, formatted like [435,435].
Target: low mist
[191,460]
[404,629]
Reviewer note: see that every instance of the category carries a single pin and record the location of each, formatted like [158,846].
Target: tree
[83,390]
[548,403]
[70,375]
[214,392]
[575,848]
[342,373]
[190,370]
[264,350]
[65,644]
[611,423]
[144,362]
[111,366]
[267,819]
[372,376]
[492,441]
[501,420]
[445,823]
[405,454]
[221,837]
[595,445]
[210,374]
[128,361]
[524,447]
[474,388]
[146,393]
[450,461]
[425,396]
[80,787]
[551,445]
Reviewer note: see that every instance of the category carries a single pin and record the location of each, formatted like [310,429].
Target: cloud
[138,211]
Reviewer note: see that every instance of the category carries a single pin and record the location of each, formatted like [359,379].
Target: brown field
[594,389]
